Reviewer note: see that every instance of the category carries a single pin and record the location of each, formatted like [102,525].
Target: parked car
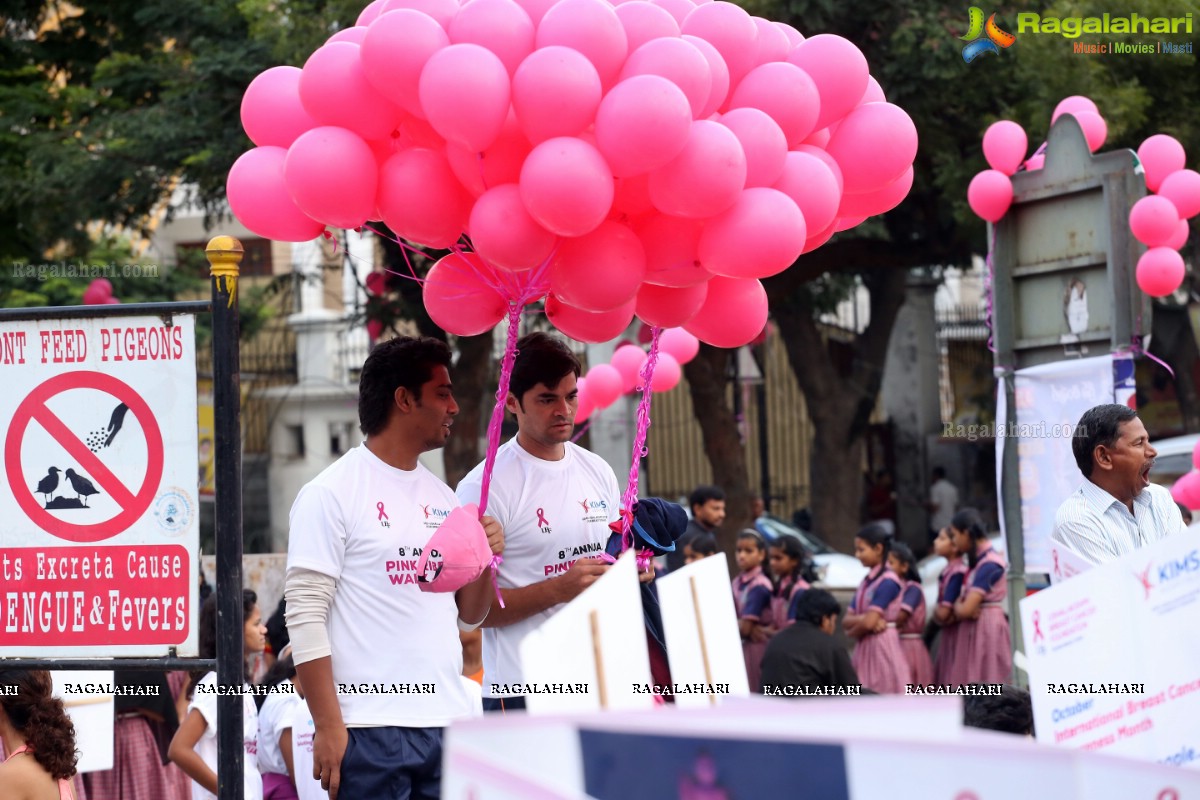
[835,570]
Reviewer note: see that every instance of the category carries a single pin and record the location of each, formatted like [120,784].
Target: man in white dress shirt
[1116,510]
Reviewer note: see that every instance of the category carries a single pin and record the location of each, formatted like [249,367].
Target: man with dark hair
[708,512]
[555,501]
[1009,712]
[807,654]
[354,610]
[943,502]
[1116,510]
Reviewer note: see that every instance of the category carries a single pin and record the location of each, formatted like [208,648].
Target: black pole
[225,258]
[764,453]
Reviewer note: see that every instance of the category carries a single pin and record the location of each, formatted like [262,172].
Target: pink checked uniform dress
[988,656]
[912,641]
[752,600]
[950,666]
[783,598]
[877,658]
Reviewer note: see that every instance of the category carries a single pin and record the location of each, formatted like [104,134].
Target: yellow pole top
[224,256]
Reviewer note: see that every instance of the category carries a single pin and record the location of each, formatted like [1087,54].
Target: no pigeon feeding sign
[99,525]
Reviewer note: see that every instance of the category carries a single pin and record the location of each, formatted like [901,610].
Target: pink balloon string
[579,434]
[989,282]
[639,439]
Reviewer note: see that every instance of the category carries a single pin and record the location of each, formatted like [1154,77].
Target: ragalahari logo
[984,37]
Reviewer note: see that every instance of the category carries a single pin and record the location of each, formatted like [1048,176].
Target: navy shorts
[392,764]
[502,704]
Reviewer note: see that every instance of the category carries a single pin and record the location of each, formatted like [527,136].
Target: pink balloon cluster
[604,383]
[1160,220]
[655,157]
[98,293]
[1186,489]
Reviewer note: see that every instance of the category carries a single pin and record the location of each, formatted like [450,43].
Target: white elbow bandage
[309,597]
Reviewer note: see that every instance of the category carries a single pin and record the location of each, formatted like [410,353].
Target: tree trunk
[707,381]
[1175,343]
[471,377]
[839,402]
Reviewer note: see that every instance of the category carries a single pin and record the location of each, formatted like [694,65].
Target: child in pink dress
[871,619]
[985,633]
[946,666]
[910,622]
[787,562]
[752,601]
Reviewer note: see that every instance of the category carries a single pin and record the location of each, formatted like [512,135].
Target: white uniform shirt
[307,788]
[204,700]
[553,513]
[1100,528]
[397,658]
[944,495]
[274,718]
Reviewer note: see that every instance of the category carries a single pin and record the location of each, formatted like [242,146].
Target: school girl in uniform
[787,563]
[871,619]
[987,648]
[752,601]
[910,621]
[946,668]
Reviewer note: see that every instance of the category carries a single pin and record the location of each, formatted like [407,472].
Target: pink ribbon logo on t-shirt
[1168,794]
[1037,627]
[383,517]
[542,521]
[1057,571]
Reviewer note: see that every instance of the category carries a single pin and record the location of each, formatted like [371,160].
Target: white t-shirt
[307,788]
[553,513]
[944,495]
[274,718]
[204,700]
[396,653]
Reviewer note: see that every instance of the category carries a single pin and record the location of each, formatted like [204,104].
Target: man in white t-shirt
[380,660]
[554,500]
[943,501]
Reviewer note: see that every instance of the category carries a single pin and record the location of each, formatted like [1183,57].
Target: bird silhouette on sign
[82,486]
[48,484]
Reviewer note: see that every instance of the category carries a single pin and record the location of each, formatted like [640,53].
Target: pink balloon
[419,133]
[706,177]
[729,29]
[444,11]
[677,60]
[334,89]
[771,44]
[1186,490]
[587,326]
[874,92]
[501,26]
[718,72]
[678,9]
[642,123]
[763,142]
[1153,220]
[103,287]
[604,384]
[421,200]
[93,296]
[819,139]
[813,187]
[846,223]
[555,92]
[819,238]
[839,70]
[670,244]
[1180,237]
[682,345]
[794,37]
[760,236]
[627,360]
[567,186]
[879,201]
[112,301]
[460,298]
[786,93]
[873,145]
[632,198]
[396,48]
[536,9]
[332,176]
[1196,455]
[585,405]
[734,313]
[503,232]
[829,160]
[669,307]
[990,194]
[1005,145]
[1160,271]
[272,113]
[601,270]
[644,21]
[259,198]
[465,93]
[666,373]
[1035,162]
[371,12]
[1182,187]
[499,164]
[1069,105]
[1095,129]
[592,28]
[354,35]
[1160,156]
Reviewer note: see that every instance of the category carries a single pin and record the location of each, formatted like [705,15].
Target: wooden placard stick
[598,655]
[708,679]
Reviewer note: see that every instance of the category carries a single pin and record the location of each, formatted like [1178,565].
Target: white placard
[92,714]
[700,625]
[98,509]
[1065,563]
[1129,629]
[592,654]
